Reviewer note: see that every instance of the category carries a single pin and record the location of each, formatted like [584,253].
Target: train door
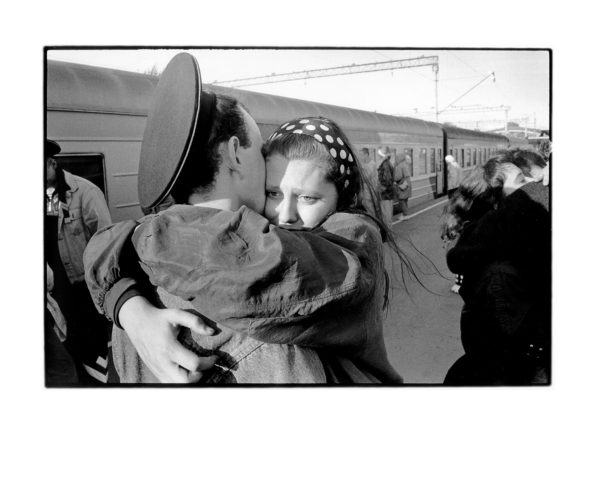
[423,161]
[436,167]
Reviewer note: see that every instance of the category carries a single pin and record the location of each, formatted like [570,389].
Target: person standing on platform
[60,369]
[503,251]
[369,170]
[454,175]
[386,179]
[75,210]
[403,183]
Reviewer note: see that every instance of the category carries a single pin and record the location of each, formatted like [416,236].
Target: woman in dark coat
[503,252]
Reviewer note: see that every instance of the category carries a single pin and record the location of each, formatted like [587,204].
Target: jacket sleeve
[95,210]
[110,266]
[270,283]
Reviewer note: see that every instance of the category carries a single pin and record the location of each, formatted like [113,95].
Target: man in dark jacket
[386,179]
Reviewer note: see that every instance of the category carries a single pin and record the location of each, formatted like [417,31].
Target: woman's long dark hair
[479,192]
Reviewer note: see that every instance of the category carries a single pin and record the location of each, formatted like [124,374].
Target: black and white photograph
[297,240]
[236,216]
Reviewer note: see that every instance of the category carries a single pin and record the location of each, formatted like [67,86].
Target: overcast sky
[521,79]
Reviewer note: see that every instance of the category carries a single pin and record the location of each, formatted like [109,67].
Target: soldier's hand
[154,332]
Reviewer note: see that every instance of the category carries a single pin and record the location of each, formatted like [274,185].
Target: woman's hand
[154,332]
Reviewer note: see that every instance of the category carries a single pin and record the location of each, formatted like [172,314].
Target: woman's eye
[273,194]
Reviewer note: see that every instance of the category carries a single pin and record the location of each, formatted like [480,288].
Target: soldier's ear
[229,151]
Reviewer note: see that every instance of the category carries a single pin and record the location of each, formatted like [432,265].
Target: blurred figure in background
[369,170]
[454,175]
[60,369]
[75,210]
[403,184]
[386,179]
[502,228]
[453,180]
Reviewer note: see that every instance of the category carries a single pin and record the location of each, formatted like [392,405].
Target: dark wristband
[117,295]
[129,293]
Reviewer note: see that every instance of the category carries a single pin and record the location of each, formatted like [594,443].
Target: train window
[423,161]
[88,165]
[475,156]
[409,151]
[440,159]
[432,160]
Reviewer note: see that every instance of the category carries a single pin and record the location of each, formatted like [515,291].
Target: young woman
[310,274]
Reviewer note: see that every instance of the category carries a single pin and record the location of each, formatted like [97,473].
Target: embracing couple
[212,291]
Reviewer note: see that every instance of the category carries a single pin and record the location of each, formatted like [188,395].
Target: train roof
[73,86]
[456,133]
[267,108]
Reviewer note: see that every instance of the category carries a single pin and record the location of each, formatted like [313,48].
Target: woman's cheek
[312,215]
[270,211]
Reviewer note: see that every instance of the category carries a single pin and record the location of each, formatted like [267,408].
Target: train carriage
[471,148]
[98,116]
[422,140]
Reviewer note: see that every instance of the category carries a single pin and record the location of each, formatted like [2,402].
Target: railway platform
[422,323]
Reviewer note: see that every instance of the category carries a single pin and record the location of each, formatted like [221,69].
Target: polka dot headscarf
[324,131]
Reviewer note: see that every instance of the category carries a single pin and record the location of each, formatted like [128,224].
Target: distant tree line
[154,71]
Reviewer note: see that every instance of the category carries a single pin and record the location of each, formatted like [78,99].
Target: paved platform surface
[422,328]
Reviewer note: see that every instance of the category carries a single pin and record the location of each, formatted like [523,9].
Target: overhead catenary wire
[332,71]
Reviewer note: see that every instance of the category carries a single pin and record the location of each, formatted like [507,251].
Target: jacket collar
[71,182]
